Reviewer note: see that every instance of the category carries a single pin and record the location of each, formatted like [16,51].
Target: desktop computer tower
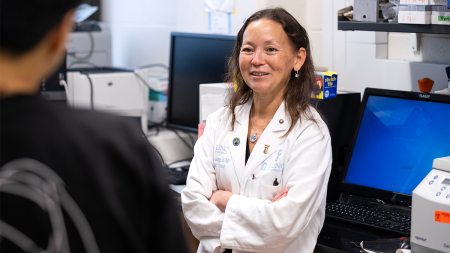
[341,114]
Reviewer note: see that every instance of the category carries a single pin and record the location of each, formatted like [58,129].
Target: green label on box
[444,18]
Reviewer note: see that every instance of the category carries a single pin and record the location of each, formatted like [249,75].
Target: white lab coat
[300,161]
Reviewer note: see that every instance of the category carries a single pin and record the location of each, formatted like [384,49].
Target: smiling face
[267,57]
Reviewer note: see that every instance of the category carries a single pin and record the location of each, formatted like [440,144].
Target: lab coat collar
[267,143]
[240,132]
[280,121]
[271,137]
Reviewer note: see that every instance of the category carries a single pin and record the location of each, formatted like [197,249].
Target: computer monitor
[399,135]
[194,59]
[341,114]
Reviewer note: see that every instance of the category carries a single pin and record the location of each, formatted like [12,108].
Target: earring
[296,74]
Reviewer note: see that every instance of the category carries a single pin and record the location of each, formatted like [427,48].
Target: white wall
[192,17]
[141,29]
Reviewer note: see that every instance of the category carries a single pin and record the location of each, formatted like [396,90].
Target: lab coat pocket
[269,183]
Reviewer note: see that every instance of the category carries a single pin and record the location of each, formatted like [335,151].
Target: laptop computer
[398,135]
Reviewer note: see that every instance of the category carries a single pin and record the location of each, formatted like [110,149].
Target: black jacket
[108,168]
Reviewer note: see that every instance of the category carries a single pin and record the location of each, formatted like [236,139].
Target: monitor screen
[397,140]
[194,59]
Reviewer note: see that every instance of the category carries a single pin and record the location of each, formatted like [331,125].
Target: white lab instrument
[212,97]
[156,76]
[430,217]
[121,93]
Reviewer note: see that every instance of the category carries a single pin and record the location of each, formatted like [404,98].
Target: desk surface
[342,236]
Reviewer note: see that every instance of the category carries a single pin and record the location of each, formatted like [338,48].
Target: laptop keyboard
[371,215]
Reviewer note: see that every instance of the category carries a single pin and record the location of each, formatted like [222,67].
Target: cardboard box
[414,14]
[327,81]
[424,2]
[440,15]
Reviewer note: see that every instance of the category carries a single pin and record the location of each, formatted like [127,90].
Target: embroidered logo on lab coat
[221,156]
[275,162]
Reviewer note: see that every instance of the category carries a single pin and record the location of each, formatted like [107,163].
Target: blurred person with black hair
[107,165]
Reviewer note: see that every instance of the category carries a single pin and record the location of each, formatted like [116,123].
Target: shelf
[392,27]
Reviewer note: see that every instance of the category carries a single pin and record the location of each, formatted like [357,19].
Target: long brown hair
[298,92]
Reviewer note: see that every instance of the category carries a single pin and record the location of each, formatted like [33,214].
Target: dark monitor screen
[399,135]
[341,115]
[194,59]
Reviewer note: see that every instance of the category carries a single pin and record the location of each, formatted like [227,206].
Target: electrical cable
[157,127]
[82,62]
[181,160]
[63,82]
[90,52]
[143,80]
[157,124]
[91,86]
[190,146]
[153,65]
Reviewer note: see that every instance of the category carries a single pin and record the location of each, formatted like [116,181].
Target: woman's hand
[220,199]
[280,195]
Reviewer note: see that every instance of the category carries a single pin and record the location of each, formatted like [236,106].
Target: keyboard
[178,175]
[372,215]
[178,172]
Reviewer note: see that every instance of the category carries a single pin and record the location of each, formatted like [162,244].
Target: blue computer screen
[397,142]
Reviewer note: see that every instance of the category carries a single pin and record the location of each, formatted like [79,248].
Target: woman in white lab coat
[259,176]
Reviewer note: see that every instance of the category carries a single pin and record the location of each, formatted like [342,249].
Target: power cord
[63,83]
[191,145]
[153,65]
[82,62]
[178,161]
[90,52]
[157,126]
[142,79]
[91,86]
